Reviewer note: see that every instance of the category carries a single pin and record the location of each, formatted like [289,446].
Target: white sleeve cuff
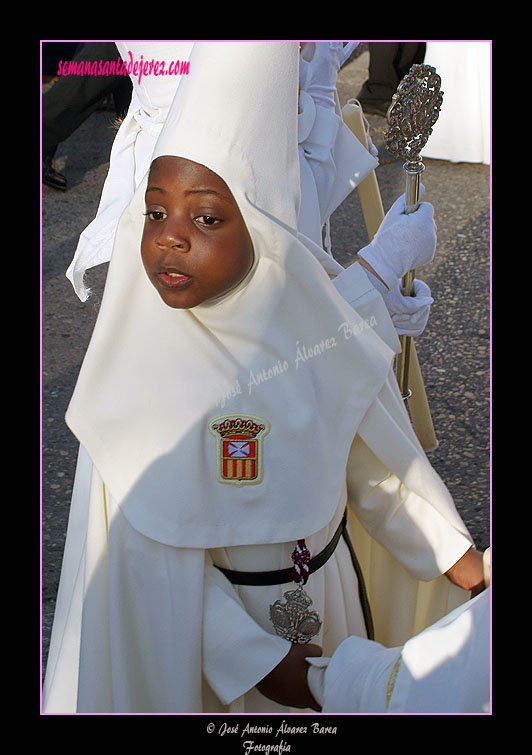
[237,652]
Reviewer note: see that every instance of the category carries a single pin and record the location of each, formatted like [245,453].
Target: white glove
[318,75]
[409,313]
[403,242]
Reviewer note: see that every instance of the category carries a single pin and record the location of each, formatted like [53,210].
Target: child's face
[195,245]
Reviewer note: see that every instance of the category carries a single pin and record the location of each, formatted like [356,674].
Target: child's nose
[173,235]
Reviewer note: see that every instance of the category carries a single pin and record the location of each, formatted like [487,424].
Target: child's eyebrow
[208,191]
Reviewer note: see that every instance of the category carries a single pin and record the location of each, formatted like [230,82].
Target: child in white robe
[222,316]
[332,164]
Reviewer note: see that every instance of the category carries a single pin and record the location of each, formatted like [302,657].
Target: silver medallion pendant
[292,618]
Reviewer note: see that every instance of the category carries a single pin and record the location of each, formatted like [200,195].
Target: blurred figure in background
[72,99]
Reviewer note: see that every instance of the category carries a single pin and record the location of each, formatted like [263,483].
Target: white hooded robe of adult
[132,148]
[444,669]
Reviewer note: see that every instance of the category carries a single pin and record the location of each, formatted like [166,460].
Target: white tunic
[144,627]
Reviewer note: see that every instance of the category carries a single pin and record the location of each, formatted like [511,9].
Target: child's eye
[155,215]
[207,220]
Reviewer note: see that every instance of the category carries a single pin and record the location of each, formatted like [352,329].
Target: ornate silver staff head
[414,110]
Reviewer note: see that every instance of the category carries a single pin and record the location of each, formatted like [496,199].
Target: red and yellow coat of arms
[239,448]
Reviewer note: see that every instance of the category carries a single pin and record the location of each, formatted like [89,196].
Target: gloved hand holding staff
[414,110]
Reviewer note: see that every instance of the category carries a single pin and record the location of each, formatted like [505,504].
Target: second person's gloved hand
[402,243]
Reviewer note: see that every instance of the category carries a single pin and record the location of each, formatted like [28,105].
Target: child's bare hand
[468,572]
[287,684]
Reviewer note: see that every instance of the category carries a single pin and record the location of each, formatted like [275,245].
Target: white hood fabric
[333,163]
[283,348]
[332,160]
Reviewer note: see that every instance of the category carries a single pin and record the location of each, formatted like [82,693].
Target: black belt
[283,576]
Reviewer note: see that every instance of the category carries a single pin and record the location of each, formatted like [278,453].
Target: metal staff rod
[414,110]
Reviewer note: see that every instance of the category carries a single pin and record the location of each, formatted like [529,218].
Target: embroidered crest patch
[239,448]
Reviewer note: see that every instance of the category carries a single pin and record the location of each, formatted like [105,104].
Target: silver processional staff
[414,110]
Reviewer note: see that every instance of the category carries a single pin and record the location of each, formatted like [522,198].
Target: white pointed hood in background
[283,348]
[132,148]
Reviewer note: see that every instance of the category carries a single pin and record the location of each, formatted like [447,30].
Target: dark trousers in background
[389,62]
[72,99]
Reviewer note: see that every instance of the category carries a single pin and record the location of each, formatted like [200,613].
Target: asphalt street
[454,350]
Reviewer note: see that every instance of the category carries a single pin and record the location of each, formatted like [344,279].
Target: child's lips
[173,278]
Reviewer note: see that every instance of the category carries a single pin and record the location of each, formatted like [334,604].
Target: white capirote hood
[229,423]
